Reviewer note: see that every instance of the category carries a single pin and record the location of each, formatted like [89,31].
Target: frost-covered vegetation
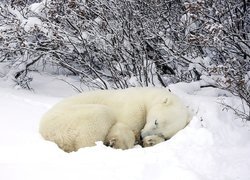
[123,43]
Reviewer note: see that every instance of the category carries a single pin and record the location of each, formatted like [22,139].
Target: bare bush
[120,43]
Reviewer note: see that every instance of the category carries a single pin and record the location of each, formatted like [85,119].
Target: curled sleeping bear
[117,117]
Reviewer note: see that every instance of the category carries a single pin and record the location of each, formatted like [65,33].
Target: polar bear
[100,115]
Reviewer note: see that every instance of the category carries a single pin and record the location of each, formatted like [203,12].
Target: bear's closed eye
[156,122]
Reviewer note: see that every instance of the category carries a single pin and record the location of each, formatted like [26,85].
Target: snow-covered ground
[214,146]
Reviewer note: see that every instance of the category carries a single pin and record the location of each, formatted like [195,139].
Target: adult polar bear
[113,116]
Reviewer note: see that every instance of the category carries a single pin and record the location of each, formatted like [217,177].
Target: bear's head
[157,119]
[166,118]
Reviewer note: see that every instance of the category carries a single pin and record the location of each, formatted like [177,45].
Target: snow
[215,145]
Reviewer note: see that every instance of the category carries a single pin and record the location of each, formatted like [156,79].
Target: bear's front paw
[152,140]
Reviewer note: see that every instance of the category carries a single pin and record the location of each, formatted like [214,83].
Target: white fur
[81,120]
[75,126]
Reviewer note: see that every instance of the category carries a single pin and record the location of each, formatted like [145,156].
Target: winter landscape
[53,49]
